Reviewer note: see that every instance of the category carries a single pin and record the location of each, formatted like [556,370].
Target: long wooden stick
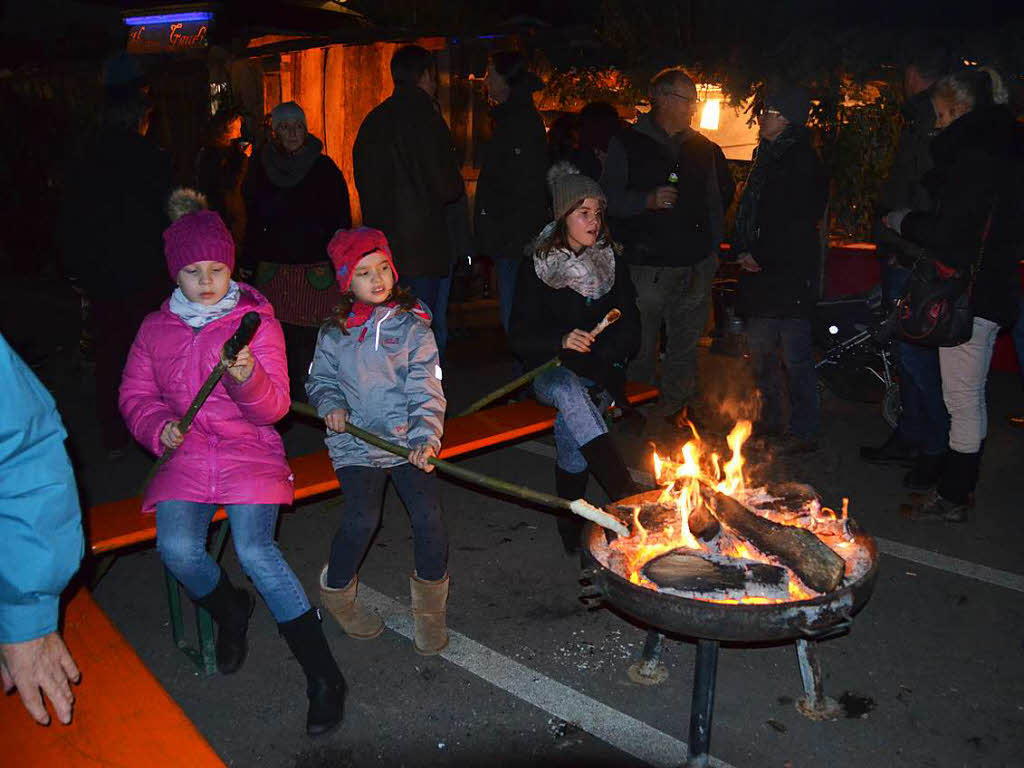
[512,386]
[526,378]
[577,506]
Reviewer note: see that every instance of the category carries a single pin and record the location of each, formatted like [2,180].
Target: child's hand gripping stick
[241,337]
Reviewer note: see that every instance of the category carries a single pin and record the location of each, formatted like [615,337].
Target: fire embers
[707,536]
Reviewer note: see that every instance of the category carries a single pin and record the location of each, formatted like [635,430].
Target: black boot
[325,685]
[230,608]
[572,486]
[895,450]
[926,472]
[607,466]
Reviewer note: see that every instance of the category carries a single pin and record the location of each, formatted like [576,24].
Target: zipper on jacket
[376,340]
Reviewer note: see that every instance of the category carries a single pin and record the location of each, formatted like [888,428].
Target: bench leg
[204,657]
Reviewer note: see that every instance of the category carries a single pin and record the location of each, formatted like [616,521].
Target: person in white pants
[972,225]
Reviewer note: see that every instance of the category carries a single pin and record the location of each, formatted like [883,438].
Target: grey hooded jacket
[385,373]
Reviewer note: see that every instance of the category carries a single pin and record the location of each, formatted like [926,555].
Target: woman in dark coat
[973,220]
[296,199]
[511,197]
[569,282]
[220,170]
[779,249]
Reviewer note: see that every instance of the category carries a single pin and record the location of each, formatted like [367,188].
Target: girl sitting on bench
[231,455]
[571,278]
[376,365]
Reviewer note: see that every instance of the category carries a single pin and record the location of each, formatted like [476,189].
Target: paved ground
[931,673]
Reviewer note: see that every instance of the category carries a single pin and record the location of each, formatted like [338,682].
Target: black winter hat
[792,100]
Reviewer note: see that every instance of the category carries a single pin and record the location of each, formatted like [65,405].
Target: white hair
[972,87]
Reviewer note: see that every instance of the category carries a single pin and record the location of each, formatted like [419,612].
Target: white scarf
[197,315]
[591,273]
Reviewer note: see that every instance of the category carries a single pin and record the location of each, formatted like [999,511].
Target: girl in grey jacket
[376,366]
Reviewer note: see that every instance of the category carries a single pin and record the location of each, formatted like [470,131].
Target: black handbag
[936,310]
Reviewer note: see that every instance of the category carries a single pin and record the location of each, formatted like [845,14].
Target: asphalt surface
[930,675]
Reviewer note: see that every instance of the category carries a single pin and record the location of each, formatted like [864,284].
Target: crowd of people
[631,218]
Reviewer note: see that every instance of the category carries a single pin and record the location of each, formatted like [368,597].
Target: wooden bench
[118,524]
[122,715]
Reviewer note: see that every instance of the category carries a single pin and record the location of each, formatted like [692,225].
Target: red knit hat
[195,234]
[348,246]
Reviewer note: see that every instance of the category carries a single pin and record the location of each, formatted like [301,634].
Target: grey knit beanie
[569,186]
[288,111]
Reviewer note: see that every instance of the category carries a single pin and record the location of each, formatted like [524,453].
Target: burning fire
[681,481]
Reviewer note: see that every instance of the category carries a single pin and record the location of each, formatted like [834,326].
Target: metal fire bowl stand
[710,624]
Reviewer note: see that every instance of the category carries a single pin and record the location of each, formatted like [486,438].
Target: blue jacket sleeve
[41,541]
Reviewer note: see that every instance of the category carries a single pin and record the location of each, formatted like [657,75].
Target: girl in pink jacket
[230,456]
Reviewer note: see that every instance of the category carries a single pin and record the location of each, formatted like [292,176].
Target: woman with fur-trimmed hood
[571,278]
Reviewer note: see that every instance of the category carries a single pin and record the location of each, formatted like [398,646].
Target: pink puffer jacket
[232,454]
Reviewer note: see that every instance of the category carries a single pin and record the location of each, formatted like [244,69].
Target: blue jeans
[434,292]
[508,270]
[363,494]
[924,422]
[765,336]
[181,528]
[579,418]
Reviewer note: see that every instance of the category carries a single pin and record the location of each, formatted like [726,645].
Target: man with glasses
[668,188]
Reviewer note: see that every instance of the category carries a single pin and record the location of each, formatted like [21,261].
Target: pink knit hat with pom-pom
[195,234]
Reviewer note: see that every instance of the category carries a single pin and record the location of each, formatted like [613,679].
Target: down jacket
[385,373]
[231,454]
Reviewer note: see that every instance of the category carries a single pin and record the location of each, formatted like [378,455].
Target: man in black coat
[406,175]
[112,218]
[921,437]
[668,188]
[511,205]
[778,246]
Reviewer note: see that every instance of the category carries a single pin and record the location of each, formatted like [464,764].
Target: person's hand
[335,420]
[418,457]
[44,663]
[241,369]
[171,435]
[578,340]
[660,198]
[747,263]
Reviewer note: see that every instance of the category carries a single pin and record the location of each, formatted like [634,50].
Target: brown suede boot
[429,601]
[355,619]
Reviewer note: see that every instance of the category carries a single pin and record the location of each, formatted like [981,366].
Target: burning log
[818,567]
[688,571]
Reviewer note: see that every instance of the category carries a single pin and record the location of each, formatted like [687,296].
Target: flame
[681,488]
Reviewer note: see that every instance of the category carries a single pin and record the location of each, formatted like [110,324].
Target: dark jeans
[363,495]
[924,422]
[1018,337]
[434,292]
[765,337]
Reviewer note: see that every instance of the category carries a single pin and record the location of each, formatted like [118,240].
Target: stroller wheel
[892,405]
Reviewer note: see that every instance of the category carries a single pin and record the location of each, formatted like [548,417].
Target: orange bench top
[122,716]
[120,524]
